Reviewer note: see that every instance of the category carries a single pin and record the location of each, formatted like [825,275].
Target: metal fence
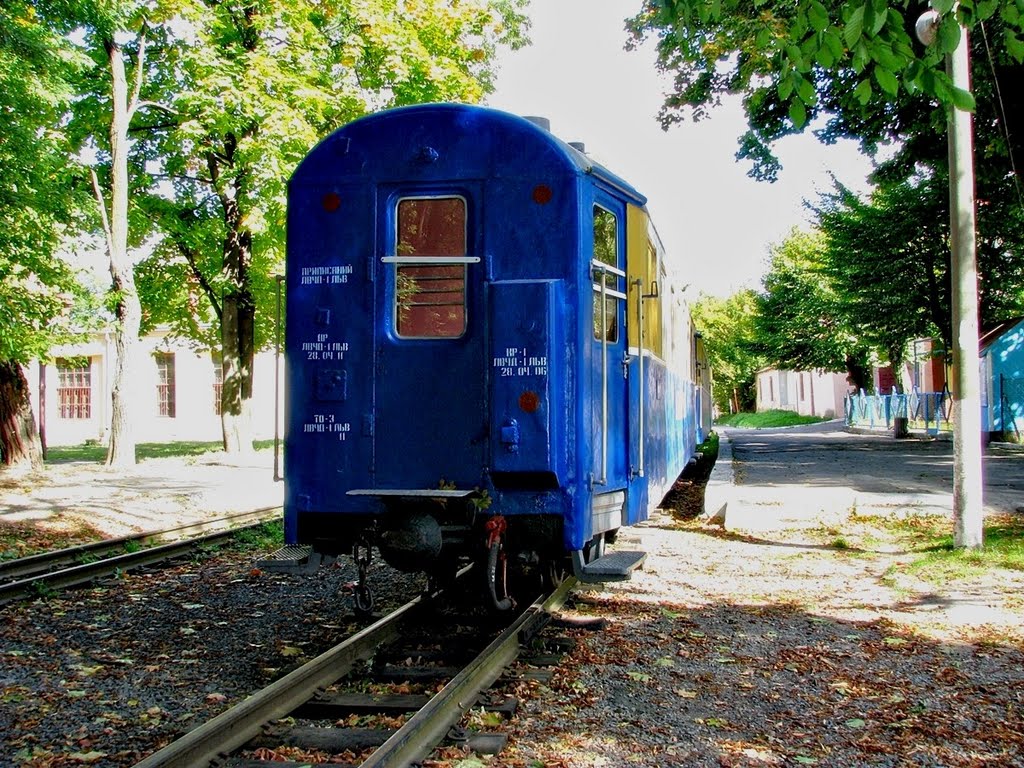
[928,411]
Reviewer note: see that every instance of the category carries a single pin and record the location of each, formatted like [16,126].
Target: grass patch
[929,540]
[98,453]
[1003,548]
[265,536]
[766,419]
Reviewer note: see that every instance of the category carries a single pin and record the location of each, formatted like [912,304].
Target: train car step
[291,559]
[615,566]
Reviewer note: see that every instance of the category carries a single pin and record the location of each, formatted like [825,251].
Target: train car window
[606,252]
[430,298]
[652,310]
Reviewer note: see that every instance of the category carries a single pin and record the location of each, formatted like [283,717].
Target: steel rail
[236,726]
[22,567]
[415,740]
[87,572]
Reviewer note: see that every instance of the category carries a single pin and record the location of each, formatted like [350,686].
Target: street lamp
[967,450]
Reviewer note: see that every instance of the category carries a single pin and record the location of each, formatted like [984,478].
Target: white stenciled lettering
[517,362]
[324,349]
[325,424]
[337,273]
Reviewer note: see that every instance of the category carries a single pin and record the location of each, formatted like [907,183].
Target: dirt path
[79,501]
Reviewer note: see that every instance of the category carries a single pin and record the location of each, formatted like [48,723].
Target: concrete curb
[914,434]
[719,489]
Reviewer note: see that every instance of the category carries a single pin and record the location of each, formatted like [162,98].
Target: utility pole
[967,447]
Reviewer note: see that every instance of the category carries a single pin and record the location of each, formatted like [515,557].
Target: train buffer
[614,566]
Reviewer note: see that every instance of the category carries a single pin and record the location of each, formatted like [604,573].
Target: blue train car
[488,356]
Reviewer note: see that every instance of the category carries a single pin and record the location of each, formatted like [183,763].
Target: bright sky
[708,212]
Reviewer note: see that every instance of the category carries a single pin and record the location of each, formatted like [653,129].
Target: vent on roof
[579,146]
[540,122]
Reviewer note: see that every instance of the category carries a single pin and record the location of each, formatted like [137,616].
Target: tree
[728,329]
[259,83]
[800,323]
[890,273]
[36,197]
[112,92]
[888,263]
[854,68]
[853,61]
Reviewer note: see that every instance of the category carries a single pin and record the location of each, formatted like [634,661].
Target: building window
[74,388]
[218,382]
[606,254]
[430,298]
[165,384]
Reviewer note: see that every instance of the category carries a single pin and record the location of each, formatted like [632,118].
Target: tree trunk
[858,372]
[121,450]
[237,336]
[124,390]
[20,448]
[238,329]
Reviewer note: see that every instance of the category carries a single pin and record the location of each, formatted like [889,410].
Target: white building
[178,391]
[809,393]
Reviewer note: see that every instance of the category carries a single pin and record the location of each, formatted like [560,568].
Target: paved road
[805,474]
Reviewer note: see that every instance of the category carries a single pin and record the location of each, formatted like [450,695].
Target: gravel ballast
[732,647]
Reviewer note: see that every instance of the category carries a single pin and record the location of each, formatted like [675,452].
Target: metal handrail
[430,259]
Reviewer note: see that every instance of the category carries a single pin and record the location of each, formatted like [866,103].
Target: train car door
[611,361]
[429,389]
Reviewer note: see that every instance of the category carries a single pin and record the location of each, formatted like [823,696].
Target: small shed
[1002,374]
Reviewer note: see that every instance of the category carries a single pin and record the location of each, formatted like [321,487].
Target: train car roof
[514,124]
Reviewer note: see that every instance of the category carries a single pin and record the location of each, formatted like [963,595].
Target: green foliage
[37,289]
[855,62]
[889,274]
[875,275]
[766,419]
[262,537]
[255,85]
[800,323]
[729,331]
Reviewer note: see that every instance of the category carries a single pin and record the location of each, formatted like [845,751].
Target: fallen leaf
[87,757]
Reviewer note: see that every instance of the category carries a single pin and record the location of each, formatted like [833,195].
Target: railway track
[323,707]
[29,576]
